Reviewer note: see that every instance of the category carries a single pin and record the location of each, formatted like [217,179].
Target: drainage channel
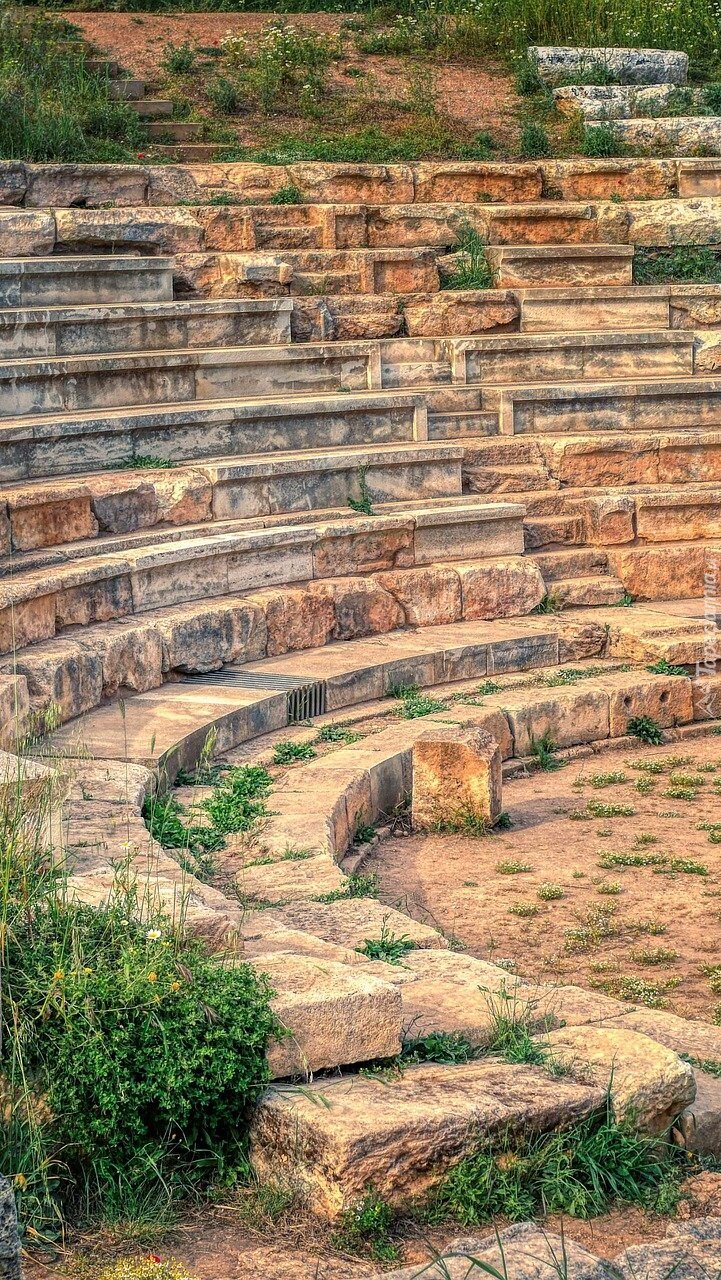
[305,699]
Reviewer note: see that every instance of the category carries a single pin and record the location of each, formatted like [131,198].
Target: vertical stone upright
[9,1239]
[456,779]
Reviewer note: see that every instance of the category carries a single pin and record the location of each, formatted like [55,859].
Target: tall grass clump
[51,106]
[130,1054]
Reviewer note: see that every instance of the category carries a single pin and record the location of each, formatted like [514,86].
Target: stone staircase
[641,94]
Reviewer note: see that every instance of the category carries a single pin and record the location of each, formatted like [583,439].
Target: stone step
[70,516]
[572,563]
[589,589]
[552,531]
[464,184]
[152,108]
[54,445]
[103,66]
[72,281]
[628,66]
[127,90]
[613,101]
[684,135]
[179,130]
[556,265]
[674,306]
[410,373]
[402,1135]
[146,577]
[506,479]
[180,152]
[450,399]
[461,426]
[142,326]
[586,356]
[585,409]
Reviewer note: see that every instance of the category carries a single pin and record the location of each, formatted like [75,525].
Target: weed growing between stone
[363,504]
[366,1229]
[543,751]
[237,804]
[695,264]
[388,947]
[582,1171]
[288,752]
[472,270]
[131,1055]
[415,703]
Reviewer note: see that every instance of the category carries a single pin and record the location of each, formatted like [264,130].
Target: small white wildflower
[154,935]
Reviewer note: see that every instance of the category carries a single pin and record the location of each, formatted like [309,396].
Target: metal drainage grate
[306,699]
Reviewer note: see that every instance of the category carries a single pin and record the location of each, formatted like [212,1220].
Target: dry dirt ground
[475,95]
[646,932]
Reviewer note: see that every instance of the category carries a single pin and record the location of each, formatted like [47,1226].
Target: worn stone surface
[335,1014]
[523,1251]
[456,778]
[402,1135]
[9,1240]
[648,1084]
[628,66]
[699,1124]
[351,922]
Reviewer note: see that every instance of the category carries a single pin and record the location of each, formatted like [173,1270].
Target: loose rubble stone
[9,1240]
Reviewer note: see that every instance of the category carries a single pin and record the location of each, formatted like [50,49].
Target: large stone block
[62,185]
[131,653]
[500,588]
[568,717]
[361,546]
[351,922]
[353,183]
[203,639]
[627,66]
[62,676]
[468,181]
[428,596]
[296,618]
[401,1136]
[456,776]
[699,1124]
[361,606]
[648,1084]
[24,233]
[668,572]
[335,1014]
[665,699]
[521,1252]
[150,230]
[461,313]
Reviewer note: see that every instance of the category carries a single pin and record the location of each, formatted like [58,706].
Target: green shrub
[388,947]
[535,142]
[239,801]
[224,95]
[286,195]
[366,1229]
[439,1046]
[472,271]
[601,140]
[646,729]
[131,1055]
[711,98]
[179,59]
[528,81]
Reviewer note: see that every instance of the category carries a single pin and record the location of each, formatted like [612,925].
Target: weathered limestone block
[521,1252]
[683,1258]
[337,318]
[126,501]
[353,183]
[25,233]
[461,313]
[648,1083]
[26,622]
[203,638]
[688,1036]
[467,181]
[594,463]
[428,596]
[295,618]
[336,1014]
[612,101]
[707,693]
[611,520]
[45,524]
[256,183]
[500,588]
[661,223]
[14,710]
[361,546]
[61,674]
[456,772]
[699,1124]
[686,134]
[354,920]
[61,185]
[361,607]
[132,654]
[601,179]
[31,799]
[149,230]
[13,182]
[98,601]
[9,1238]
[666,699]
[402,1135]
[568,716]
[628,66]
[230,230]
[660,573]
[445,992]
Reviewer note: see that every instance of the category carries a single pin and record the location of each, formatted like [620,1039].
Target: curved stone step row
[96,381]
[455,181]
[35,605]
[363,239]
